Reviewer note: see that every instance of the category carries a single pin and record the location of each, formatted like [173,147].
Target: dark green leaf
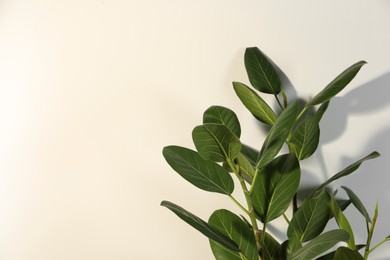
[270,247]
[321,110]
[278,135]
[245,167]
[275,186]
[305,138]
[287,248]
[255,104]
[319,245]
[344,253]
[233,227]
[343,204]
[357,203]
[338,84]
[206,175]
[224,116]
[216,142]
[222,253]
[250,153]
[311,218]
[201,226]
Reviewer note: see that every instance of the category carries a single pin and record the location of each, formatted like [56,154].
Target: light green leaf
[277,135]
[338,84]
[357,203]
[255,104]
[205,175]
[304,140]
[311,218]
[224,116]
[344,253]
[275,186]
[261,72]
[201,226]
[216,142]
[319,245]
[232,226]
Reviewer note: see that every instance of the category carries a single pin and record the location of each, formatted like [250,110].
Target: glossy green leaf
[338,84]
[205,175]
[319,245]
[277,135]
[250,153]
[201,226]
[344,253]
[236,229]
[357,203]
[321,111]
[255,104]
[311,218]
[261,72]
[305,138]
[270,248]
[224,116]
[347,171]
[216,142]
[275,186]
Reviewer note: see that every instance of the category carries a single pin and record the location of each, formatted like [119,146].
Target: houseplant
[269,179]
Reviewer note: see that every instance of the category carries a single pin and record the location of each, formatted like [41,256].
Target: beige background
[90,92]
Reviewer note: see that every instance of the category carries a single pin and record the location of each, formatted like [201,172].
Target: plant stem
[379,244]
[238,204]
[286,218]
[369,237]
[280,104]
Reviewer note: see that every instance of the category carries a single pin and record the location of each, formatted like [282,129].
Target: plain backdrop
[92,90]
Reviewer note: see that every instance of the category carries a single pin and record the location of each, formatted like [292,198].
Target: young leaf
[216,142]
[319,245]
[255,104]
[224,116]
[275,186]
[232,226]
[344,253]
[338,84]
[305,138]
[277,135]
[261,72]
[201,226]
[205,175]
[350,169]
[311,218]
[357,203]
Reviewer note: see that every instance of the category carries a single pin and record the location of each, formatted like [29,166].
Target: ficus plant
[269,177]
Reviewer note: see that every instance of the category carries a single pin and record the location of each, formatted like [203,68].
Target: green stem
[370,233]
[379,244]
[280,104]
[286,219]
[238,204]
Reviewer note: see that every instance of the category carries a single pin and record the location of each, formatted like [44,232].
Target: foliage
[268,178]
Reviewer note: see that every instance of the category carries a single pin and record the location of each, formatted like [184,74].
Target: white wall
[90,92]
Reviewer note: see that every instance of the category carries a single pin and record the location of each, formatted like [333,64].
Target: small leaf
[278,135]
[275,186]
[205,175]
[305,138]
[343,204]
[321,110]
[255,104]
[338,84]
[246,169]
[357,203]
[232,226]
[216,142]
[261,72]
[319,245]
[311,218]
[224,116]
[250,153]
[201,226]
[344,253]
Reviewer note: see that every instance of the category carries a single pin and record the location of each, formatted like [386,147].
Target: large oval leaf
[275,186]
[278,135]
[205,175]
[236,229]
[304,141]
[311,218]
[216,142]
[224,116]
[255,104]
[338,84]
[202,226]
[261,72]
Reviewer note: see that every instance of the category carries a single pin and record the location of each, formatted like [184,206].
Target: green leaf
[205,175]
[311,218]
[321,110]
[232,226]
[277,135]
[246,169]
[275,186]
[261,72]
[224,116]
[222,253]
[270,247]
[255,104]
[201,226]
[319,245]
[357,203]
[344,253]
[343,204]
[216,142]
[338,84]
[305,138]
[250,153]
[347,171]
